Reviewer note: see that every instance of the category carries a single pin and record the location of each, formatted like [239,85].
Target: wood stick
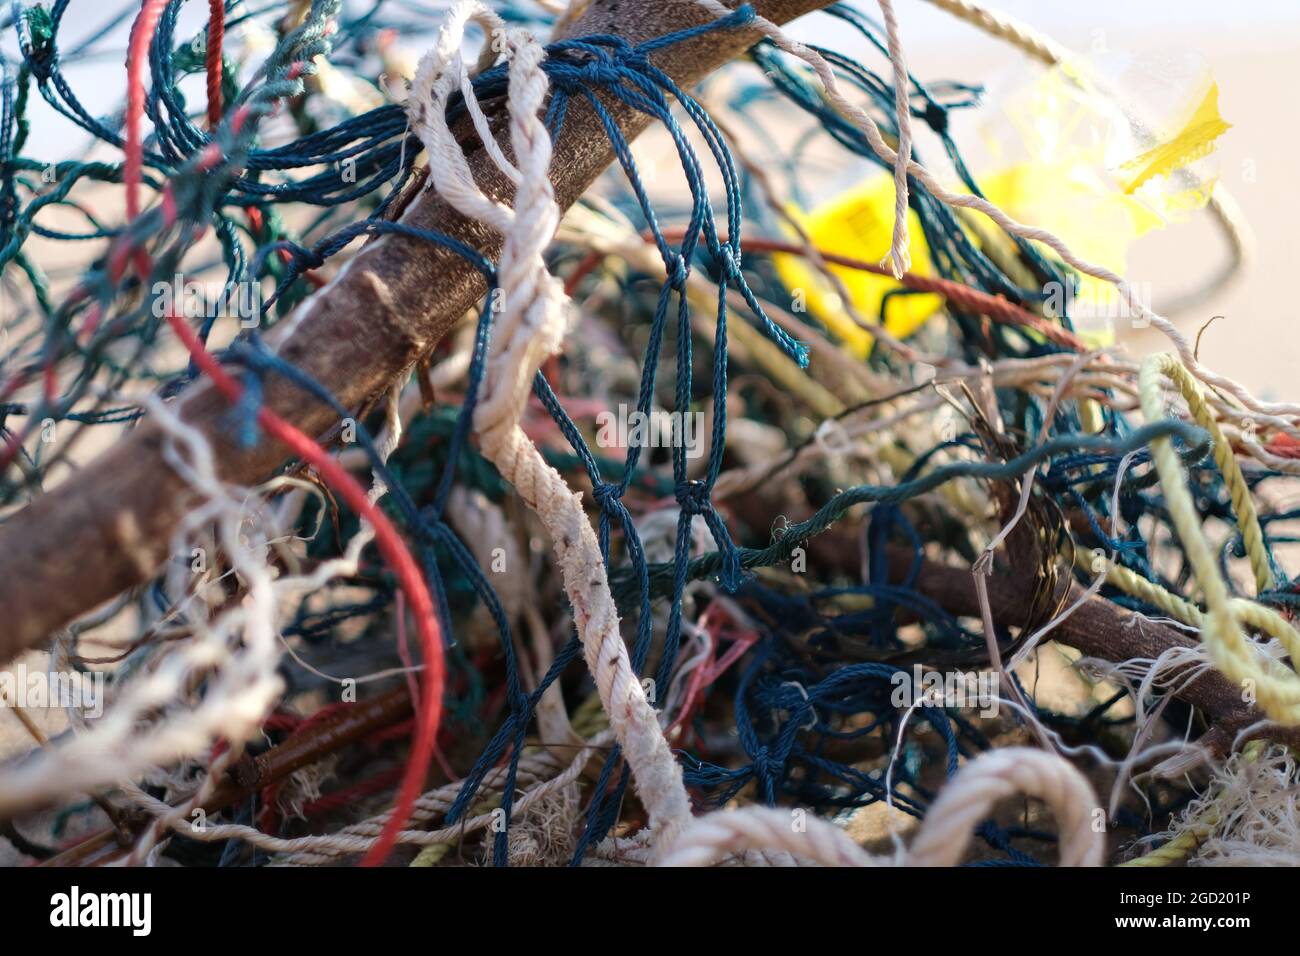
[109,526]
[1099,628]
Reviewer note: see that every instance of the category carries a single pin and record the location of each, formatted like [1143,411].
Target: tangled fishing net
[400,466]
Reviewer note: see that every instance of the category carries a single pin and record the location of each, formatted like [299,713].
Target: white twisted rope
[530,326]
[999,774]
[944,835]
[900,256]
[717,836]
[361,836]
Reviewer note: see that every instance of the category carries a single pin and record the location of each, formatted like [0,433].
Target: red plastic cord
[386,537]
[216,33]
[142,31]
[973,300]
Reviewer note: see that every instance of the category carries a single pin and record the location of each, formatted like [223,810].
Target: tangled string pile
[755,599]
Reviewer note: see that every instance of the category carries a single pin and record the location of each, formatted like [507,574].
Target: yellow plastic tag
[1079,172]
[1101,223]
[858,224]
[1086,171]
[1194,141]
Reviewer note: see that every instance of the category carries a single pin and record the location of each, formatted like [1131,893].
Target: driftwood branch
[109,526]
[1099,628]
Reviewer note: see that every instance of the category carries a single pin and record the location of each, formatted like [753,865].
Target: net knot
[936,116]
[693,497]
[609,496]
[678,273]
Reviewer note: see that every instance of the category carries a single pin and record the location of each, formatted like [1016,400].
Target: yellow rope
[1276,688]
[589,718]
[434,853]
[1245,612]
[1242,505]
[1182,846]
[1132,583]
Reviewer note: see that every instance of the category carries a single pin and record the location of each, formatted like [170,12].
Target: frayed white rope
[1248,814]
[158,718]
[235,654]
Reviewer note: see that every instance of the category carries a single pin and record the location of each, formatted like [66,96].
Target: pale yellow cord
[1275,687]
[1132,583]
[434,853]
[1242,611]
[1246,612]
[1242,505]
[1193,835]
[1182,846]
